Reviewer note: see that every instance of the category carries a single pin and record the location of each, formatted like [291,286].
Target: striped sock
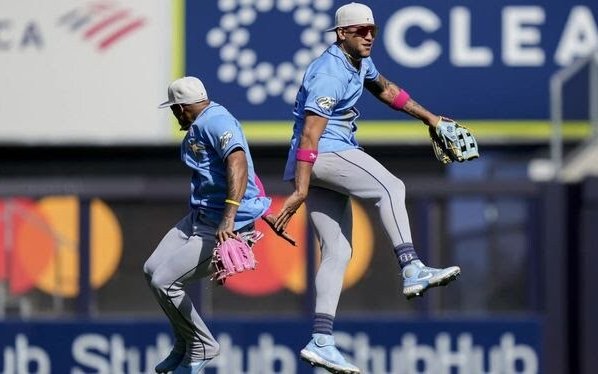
[323,323]
[405,254]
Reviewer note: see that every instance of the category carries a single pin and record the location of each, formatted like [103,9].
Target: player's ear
[340,34]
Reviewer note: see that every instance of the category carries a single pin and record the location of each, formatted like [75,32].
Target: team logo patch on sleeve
[326,102]
[225,138]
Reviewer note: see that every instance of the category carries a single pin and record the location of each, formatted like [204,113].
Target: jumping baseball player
[329,168]
[225,200]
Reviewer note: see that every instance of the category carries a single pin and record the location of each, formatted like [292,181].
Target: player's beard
[184,126]
[356,53]
[183,121]
[362,51]
[366,51]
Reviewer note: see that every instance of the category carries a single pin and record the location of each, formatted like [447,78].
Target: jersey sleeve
[371,72]
[323,93]
[225,135]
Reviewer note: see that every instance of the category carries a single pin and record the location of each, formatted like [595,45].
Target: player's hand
[225,230]
[289,208]
[271,221]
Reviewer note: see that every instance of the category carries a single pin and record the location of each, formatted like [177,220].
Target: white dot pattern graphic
[227,73]
[229,52]
[240,63]
[246,78]
[239,37]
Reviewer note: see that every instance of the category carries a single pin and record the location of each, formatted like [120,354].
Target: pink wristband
[400,100]
[307,155]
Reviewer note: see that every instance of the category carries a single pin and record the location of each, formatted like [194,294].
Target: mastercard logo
[39,249]
[282,266]
[39,244]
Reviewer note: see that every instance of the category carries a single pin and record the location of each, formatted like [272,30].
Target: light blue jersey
[331,86]
[214,134]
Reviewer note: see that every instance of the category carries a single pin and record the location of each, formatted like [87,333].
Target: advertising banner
[41,261]
[377,346]
[469,59]
[92,72]
[85,71]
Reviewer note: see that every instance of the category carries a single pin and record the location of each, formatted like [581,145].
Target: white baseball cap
[186,90]
[352,14]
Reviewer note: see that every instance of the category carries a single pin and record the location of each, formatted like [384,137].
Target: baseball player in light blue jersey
[329,168]
[225,200]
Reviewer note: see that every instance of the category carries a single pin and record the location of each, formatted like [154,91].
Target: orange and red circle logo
[282,266]
[39,248]
[39,244]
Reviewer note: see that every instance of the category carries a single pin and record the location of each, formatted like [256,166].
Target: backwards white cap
[352,14]
[186,90]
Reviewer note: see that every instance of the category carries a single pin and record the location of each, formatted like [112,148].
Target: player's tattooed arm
[414,109]
[386,91]
[383,89]
[236,177]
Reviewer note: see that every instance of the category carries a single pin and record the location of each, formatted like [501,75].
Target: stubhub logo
[98,353]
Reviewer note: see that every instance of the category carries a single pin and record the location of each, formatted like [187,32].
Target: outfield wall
[525,250]
[269,346]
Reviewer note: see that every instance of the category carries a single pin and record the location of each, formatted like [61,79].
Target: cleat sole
[316,361]
[419,289]
[446,279]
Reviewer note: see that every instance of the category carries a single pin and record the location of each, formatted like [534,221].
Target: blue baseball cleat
[170,363]
[192,368]
[321,351]
[417,278]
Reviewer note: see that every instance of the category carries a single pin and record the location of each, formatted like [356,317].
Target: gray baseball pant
[183,256]
[336,177]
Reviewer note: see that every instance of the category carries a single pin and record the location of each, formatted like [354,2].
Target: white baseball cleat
[322,352]
[192,368]
[417,278]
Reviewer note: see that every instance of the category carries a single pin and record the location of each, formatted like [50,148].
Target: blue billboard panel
[467,59]
[268,347]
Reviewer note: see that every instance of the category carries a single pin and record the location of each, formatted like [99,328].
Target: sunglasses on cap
[362,31]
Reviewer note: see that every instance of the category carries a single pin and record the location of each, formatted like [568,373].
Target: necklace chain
[353,60]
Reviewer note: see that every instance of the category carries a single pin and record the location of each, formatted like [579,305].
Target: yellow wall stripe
[384,132]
